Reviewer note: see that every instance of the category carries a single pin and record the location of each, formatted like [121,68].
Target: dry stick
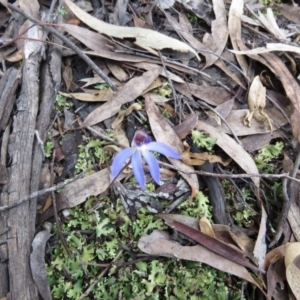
[68,43]
[91,287]
[44,192]
[286,203]
[104,137]
[57,221]
[224,176]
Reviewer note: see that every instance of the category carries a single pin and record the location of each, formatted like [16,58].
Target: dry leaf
[164,133]
[211,94]
[148,66]
[120,136]
[220,63]
[216,41]
[144,38]
[276,279]
[76,192]
[100,45]
[292,264]
[198,159]
[269,48]
[205,227]
[38,264]
[155,84]
[257,103]
[211,243]
[91,95]
[232,148]
[117,71]
[122,114]
[186,127]
[234,27]
[260,248]
[131,90]
[235,122]
[223,109]
[294,220]
[291,88]
[291,12]
[160,243]
[269,23]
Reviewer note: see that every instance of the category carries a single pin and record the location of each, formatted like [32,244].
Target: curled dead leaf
[257,103]
[198,159]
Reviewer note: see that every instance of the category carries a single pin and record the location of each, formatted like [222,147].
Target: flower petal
[137,168]
[153,165]
[120,159]
[163,149]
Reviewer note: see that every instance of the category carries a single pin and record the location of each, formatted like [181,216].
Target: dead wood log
[20,220]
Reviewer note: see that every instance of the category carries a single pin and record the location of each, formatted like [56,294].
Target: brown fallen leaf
[260,248]
[186,127]
[100,45]
[145,38]
[148,66]
[206,227]
[291,12]
[235,121]
[292,264]
[117,71]
[131,90]
[155,84]
[38,264]
[122,114]
[164,133]
[198,159]
[257,141]
[291,88]
[217,40]
[76,193]
[211,243]
[91,95]
[232,148]
[276,279]
[269,22]
[235,30]
[294,220]
[160,243]
[211,94]
[269,48]
[223,109]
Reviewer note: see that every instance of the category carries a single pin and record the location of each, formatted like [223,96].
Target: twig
[68,43]
[286,203]
[224,176]
[57,221]
[87,292]
[170,81]
[44,192]
[223,120]
[104,137]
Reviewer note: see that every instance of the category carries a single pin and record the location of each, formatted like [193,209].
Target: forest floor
[149,150]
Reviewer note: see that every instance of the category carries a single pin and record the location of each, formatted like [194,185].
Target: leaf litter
[202,92]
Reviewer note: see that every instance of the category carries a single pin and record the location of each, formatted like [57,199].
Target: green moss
[108,228]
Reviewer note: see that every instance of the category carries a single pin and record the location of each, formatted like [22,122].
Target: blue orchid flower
[141,147]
